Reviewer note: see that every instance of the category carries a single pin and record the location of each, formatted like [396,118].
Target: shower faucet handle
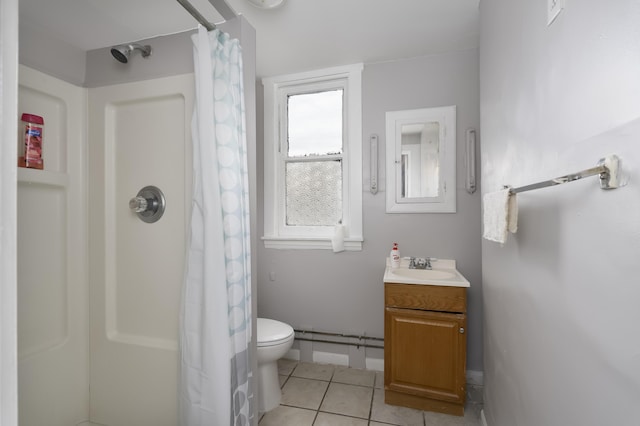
[148,204]
[138,204]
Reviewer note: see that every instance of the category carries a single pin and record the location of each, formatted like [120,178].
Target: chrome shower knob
[138,204]
[149,204]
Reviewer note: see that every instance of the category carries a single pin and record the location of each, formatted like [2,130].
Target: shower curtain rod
[221,6]
[194,12]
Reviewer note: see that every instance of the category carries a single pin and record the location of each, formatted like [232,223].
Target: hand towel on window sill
[337,242]
[500,215]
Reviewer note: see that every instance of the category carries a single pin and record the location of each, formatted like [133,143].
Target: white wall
[561,297]
[343,292]
[53,345]
[8,220]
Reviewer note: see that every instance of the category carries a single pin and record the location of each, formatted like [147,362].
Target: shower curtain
[215,369]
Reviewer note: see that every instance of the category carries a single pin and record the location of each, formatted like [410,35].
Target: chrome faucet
[419,263]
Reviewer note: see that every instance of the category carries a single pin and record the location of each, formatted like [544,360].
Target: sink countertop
[444,273]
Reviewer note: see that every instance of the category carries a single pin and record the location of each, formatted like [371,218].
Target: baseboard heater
[334,338]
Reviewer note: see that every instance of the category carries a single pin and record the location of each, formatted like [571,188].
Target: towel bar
[608,169]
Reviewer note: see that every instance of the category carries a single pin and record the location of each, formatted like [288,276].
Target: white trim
[275,234]
[374,364]
[308,243]
[8,212]
[444,203]
[331,358]
[483,419]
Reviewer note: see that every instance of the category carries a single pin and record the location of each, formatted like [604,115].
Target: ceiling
[300,35]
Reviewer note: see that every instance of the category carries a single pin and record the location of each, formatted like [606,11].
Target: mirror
[421,150]
[420,160]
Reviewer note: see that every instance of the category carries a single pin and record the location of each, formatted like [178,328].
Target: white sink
[444,273]
[424,274]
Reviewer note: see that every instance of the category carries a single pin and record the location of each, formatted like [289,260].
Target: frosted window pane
[314,193]
[315,124]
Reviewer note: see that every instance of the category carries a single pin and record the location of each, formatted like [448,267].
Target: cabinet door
[425,354]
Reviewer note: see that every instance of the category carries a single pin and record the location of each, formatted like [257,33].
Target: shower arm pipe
[197,15]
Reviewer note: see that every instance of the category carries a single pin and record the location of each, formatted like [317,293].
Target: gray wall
[343,291]
[46,53]
[561,296]
[171,55]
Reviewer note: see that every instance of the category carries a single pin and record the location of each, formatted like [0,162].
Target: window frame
[276,92]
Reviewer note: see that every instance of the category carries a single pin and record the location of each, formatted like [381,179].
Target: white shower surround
[117,332]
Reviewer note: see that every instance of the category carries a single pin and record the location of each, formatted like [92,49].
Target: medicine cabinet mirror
[421,160]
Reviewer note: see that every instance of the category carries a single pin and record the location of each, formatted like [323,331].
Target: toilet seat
[272,332]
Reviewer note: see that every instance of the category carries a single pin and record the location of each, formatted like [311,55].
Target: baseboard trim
[483,419]
[475,378]
[331,358]
[421,403]
[375,364]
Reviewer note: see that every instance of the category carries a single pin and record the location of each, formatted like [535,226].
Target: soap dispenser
[395,256]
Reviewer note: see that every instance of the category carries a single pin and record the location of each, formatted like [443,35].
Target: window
[313,158]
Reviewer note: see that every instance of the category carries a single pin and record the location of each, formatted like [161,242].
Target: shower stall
[99,289]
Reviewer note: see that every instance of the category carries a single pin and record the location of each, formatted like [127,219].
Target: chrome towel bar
[608,168]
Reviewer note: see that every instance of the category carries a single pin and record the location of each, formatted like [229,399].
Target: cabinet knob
[461,330]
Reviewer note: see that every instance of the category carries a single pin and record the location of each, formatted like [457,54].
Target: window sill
[309,243]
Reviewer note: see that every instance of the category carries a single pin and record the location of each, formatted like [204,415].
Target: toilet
[274,340]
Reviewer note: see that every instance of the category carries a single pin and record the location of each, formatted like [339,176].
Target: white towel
[500,215]
[512,226]
[337,242]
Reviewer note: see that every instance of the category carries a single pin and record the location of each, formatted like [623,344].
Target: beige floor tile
[303,393]
[354,376]
[474,394]
[392,414]
[472,413]
[288,416]
[379,380]
[286,366]
[439,419]
[314,371]
[327,419]
[471,418]
[349,400]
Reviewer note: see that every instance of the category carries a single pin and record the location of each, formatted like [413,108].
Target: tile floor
[328,395]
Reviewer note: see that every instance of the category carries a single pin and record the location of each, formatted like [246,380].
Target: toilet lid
[271,332]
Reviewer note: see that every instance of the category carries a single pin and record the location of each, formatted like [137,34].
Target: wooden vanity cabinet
[425,347]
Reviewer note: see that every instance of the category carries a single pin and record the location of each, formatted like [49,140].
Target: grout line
[373,394]
[326,391]
[315,417]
